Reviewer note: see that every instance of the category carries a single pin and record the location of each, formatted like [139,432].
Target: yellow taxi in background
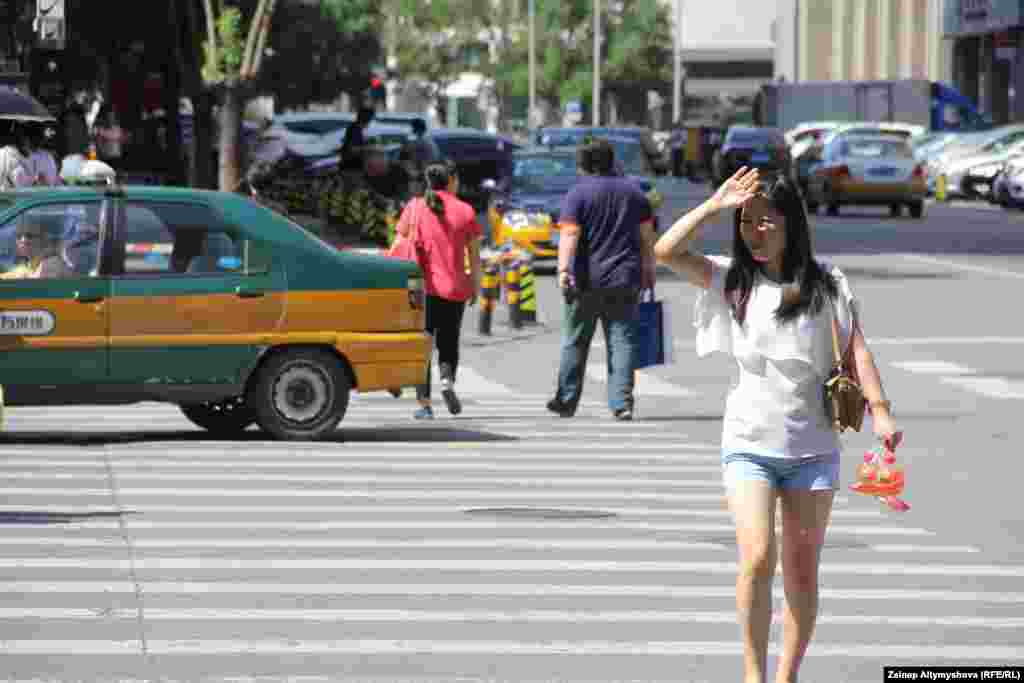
[206,300]
[524,213]
[868,169]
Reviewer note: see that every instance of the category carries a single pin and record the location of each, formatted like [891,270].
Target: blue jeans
[818,473]
[617,310]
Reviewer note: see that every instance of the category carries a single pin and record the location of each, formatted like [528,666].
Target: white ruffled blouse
[776,406]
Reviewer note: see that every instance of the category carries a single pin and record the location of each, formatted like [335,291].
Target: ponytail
[437,176]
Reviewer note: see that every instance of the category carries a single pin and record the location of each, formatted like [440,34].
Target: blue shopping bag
[654,332]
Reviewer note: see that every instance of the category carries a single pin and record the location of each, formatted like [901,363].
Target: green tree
[432,40]
[318,40]
[233,54]
[636,39]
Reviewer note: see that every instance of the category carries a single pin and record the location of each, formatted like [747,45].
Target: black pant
[444,321]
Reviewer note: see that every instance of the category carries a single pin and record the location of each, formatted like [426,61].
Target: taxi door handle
[89,298]
[243,293]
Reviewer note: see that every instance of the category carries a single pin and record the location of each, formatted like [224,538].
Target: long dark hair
[814,285]
[438,176]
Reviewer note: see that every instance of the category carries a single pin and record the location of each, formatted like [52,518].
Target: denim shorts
[817,473]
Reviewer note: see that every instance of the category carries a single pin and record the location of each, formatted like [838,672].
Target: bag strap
[840,357]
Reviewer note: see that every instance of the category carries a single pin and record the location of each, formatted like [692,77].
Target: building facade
[838,40]
[984,37]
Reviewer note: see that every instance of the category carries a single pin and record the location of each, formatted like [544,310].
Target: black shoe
[451,400]
[561,409]
[624,414]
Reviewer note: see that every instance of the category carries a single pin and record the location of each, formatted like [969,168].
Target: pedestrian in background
[13,167]
[40,161]
[771,307]
[355,139]
[449,233]
[605,257]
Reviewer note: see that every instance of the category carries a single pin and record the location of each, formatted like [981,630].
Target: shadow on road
[377,434]
[30,517]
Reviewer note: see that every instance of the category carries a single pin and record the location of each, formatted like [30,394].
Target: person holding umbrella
[13,167]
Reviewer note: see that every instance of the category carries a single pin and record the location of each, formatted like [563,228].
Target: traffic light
[378,91]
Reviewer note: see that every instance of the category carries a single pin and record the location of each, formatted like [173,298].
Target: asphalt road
[510,545]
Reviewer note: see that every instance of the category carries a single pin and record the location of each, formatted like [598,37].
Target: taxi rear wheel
[229,416]
[300,394]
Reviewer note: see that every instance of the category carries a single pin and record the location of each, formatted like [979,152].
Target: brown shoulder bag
[844,399]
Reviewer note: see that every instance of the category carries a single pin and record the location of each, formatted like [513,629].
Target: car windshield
[876,148]
[752,137]
[630,157]
[544,173]
[316,126]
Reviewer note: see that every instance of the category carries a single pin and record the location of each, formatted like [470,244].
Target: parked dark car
[479,155]
[562,137]
[753,147]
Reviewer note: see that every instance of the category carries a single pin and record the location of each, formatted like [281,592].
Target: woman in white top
[770,307]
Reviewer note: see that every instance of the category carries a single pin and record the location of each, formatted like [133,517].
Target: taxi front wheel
[300,394]
[229,416]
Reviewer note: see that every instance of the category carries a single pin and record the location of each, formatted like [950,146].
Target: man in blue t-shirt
[605,257]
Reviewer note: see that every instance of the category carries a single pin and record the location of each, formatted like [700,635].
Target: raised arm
[673,249]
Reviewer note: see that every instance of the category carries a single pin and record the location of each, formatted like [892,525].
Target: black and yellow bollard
[512,292]
[527,293]
[490,289]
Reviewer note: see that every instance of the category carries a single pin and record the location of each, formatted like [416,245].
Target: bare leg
[805,516]
[752,504]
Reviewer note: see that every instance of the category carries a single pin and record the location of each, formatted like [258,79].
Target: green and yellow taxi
[207,300]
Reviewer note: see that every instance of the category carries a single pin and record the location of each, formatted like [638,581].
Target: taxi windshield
[555,173]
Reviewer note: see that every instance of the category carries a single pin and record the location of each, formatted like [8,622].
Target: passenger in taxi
[39,249]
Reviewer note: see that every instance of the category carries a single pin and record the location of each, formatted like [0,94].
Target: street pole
[597,64]
[677,80]
[530,121]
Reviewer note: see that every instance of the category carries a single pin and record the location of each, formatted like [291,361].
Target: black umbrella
[17,106]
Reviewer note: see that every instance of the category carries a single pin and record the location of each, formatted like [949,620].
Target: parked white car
[1008,185]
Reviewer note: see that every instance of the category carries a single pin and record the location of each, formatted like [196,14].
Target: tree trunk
[201,166]
[230,128]
[172,92]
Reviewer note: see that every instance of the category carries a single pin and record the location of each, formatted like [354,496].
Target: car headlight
[520,220]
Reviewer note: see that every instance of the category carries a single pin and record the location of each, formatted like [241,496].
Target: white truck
[935,106]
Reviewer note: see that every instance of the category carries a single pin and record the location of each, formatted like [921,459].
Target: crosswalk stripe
[479,524]
[377,480]
[469,382]
[589,648]
[413,448]
[350,466]
[352,616]
[378,493]
[405,449]
[607,542]
[645,383]
[459,458]
[417,511]
[476,589]
[993,387]
[931,367]
[484,564]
